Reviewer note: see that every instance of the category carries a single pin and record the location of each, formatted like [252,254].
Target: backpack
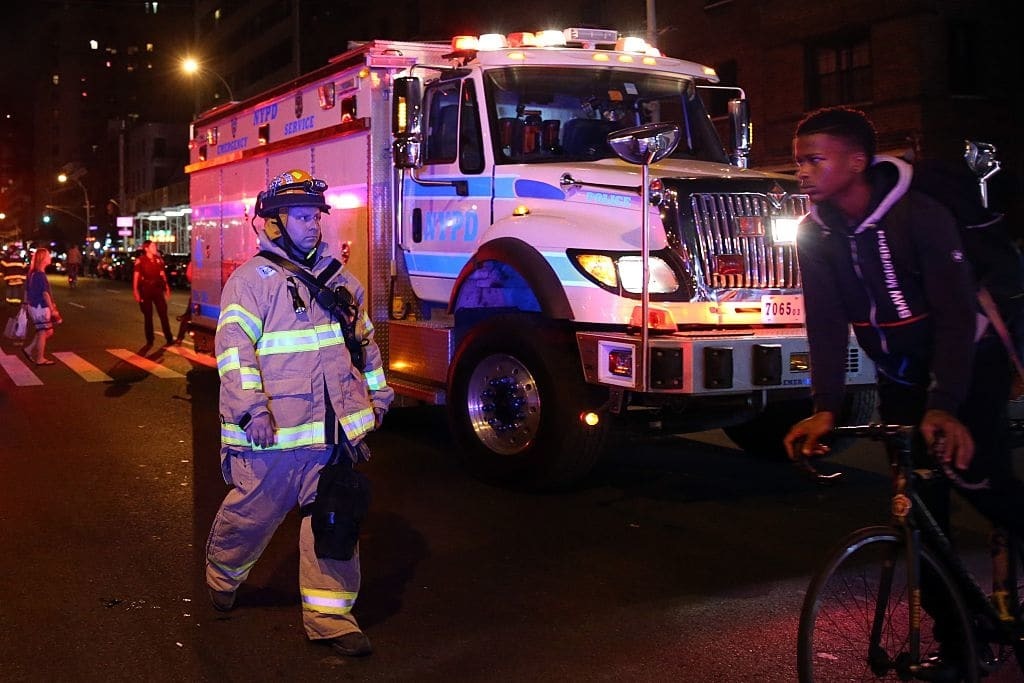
[988,245]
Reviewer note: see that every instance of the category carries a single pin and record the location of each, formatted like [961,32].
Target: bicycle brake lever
[803,462]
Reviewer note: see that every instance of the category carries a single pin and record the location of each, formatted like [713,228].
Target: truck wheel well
[509,274]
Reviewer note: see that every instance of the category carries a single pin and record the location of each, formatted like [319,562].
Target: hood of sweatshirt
[890,180]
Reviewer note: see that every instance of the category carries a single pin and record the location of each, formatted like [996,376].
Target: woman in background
[42,310]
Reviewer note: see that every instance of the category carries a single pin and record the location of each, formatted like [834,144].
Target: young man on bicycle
[888,260]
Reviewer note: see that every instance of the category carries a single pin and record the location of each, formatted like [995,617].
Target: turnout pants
[266,487]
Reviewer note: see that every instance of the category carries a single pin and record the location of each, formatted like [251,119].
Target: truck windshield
[558,114]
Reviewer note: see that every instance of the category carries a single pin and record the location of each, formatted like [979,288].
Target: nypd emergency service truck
[504,246]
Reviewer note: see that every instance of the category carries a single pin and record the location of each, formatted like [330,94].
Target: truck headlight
[626,272]
[784,229]
[631,274]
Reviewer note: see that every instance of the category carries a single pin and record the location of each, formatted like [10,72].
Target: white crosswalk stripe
[85,369]
[18,371]
[24,374]
[202,359]
[144,363]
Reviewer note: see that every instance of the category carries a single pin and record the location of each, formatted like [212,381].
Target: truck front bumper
[709,362]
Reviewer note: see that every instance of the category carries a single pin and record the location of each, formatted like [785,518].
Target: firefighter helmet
[292,188]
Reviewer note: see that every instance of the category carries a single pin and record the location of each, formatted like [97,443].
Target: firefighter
[15,272]
[291,401]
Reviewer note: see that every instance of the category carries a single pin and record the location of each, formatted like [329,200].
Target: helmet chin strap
[284,241]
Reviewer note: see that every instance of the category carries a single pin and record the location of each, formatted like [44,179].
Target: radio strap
[318,284]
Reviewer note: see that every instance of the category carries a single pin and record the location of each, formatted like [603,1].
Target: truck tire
[763,435]
[515,397]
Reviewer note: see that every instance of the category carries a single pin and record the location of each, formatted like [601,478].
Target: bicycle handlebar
[875,430]
[891,433]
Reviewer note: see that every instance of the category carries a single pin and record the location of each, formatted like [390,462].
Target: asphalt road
[680,559]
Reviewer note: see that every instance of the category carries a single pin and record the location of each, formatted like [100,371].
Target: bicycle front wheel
[855,621]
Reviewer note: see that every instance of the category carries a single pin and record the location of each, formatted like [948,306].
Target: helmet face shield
[293,188]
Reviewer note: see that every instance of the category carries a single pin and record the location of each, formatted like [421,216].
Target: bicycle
[863,616]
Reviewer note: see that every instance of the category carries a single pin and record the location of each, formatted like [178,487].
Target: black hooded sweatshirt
[900,278]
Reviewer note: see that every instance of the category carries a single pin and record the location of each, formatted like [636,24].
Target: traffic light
[46,218]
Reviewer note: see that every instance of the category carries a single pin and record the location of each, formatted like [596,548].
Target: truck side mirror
[742,132]
[645,144]
[406,118]
[981,159]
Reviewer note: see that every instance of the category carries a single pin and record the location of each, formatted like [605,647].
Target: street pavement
[679,559]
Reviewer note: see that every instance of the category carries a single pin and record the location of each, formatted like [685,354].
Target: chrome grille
[731,256]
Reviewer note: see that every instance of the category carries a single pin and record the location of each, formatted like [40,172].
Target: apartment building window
[839,71]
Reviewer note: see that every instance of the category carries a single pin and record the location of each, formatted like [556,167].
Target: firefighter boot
[354,644]
[223,601]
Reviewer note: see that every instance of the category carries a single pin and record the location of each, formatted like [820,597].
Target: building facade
[109,97]
[929,73]
[101,75]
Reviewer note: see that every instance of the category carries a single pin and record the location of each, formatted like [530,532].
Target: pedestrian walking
[301,385]
[149,283]
[42,309]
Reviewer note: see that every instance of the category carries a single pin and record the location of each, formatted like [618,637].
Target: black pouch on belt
[341,504]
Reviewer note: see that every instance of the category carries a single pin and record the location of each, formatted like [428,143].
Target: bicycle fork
[901,505]
[1004,592]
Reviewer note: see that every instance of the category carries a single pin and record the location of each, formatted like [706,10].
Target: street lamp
[191,66]
[63,178]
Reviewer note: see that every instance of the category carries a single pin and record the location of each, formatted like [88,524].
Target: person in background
[149,282]
[292,400]
[42,310]
[185,318]
[74,263]
[15,272]
[888,260]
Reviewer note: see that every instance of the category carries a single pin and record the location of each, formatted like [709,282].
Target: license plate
[782,308]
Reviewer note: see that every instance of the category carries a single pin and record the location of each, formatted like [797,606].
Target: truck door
[447,203]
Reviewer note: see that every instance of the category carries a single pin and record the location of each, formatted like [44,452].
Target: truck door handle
[417,225]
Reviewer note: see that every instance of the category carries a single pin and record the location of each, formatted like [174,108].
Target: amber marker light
[460,43]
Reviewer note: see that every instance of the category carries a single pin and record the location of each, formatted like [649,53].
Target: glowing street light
[191,66]
[63,178]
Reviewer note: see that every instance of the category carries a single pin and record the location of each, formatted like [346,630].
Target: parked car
[104,266]
[56,264]
[115,265]
[124,265]
[175,265]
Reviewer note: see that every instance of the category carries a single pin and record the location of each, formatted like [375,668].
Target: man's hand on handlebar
[804,438]
[948,438]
